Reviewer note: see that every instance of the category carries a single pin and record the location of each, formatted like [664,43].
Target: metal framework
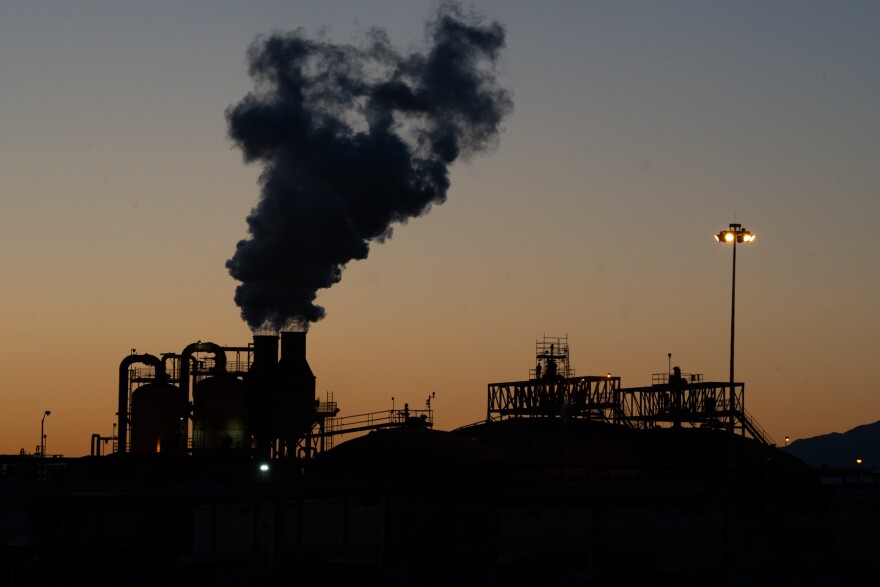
[317,440]
[674,399]
[698,404]
[551,358]
[589,398]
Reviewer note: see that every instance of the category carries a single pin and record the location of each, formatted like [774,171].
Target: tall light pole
[43,433]
[735,234]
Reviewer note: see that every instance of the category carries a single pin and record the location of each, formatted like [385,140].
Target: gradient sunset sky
[639,130]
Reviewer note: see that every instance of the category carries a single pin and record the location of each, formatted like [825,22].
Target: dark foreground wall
[421,508]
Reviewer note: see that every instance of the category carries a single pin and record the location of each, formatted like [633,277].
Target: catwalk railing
[591,398]
[596,398]
[325,430]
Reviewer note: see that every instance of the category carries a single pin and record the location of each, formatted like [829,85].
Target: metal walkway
[688,402]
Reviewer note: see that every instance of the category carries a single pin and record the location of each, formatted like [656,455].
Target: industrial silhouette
[228,470]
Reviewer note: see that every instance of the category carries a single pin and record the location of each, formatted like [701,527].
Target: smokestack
[353,140]
[298,392]
[265,353]
[293,347]
[262,380]
[294,365]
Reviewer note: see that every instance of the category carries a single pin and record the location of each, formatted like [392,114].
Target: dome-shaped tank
[220,408]
[158,419]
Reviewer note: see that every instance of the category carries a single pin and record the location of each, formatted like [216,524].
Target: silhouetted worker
[676,378]
[551,368]
[676,383]
[538,371]
[405,411]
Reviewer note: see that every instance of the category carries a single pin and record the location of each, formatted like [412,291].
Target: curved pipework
[200,347]
[158,365]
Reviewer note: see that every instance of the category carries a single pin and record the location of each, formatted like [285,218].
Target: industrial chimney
[262,381]
[295,368]
[265,353]
[297,390]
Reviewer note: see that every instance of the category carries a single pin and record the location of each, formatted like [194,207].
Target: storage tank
[158,419]
[220,413]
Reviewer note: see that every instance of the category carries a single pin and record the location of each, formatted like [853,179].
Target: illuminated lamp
[735,234]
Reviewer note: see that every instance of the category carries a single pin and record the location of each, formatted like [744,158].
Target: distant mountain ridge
[841,449]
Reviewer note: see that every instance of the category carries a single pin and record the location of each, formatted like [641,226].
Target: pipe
[200,347]
[122,414]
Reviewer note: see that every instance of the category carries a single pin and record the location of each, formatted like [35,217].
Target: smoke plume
[352,139]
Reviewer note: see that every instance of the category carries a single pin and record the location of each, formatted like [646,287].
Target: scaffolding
[551,358]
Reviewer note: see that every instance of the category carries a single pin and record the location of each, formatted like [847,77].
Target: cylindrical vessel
[158,419]
[220,414]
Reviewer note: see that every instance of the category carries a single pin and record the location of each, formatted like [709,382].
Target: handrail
[376,420]
[757,430]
